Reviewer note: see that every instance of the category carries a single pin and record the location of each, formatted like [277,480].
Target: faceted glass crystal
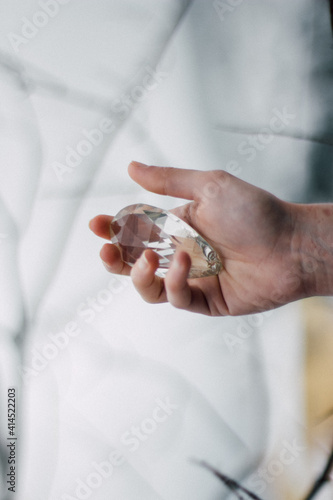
[138,227]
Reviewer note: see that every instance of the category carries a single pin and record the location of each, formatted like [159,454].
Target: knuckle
[221,179]
[138,280]
[214,183]
[211,189]
[177,297]
[144,292]
[140,283]
[176,304]
[148,299]
[174,289]
[221,176]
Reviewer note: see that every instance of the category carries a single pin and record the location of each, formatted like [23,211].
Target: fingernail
[143,262]
[138,164]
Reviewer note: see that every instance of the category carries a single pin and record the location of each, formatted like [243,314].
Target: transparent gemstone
[140,226]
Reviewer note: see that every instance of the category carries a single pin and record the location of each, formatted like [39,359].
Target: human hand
[252,231]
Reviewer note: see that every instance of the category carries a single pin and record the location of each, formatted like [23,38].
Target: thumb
[177,182]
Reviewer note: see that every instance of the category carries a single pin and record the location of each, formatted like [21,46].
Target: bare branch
[237,488]
[322,479]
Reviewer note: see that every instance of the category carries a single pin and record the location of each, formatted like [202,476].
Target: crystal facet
[138,227]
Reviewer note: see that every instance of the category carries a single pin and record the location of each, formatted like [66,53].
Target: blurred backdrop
[117,398]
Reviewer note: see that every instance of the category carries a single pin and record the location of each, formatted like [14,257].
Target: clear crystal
[138,227]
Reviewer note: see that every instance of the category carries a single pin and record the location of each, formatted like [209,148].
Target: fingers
[109,254]
[149,286]
[100,225]
[178,290]
[174,288]
[112,260]
[153,289]
[181,183]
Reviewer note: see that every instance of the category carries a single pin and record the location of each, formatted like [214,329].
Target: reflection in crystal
[141,226]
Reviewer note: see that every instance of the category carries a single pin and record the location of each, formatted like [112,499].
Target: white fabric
[89,358]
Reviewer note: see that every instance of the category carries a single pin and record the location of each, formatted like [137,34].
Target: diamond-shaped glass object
[141,226]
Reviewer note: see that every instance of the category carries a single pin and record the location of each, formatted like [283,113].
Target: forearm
[314,242]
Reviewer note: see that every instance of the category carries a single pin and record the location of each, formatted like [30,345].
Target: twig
[230,483]
[291,134]
[322,479]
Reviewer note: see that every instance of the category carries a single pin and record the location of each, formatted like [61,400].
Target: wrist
[313,242]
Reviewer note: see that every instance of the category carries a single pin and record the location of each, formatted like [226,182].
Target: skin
[269,248]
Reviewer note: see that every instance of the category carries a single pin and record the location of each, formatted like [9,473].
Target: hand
[251,230]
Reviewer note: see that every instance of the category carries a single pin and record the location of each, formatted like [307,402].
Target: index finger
[177,182]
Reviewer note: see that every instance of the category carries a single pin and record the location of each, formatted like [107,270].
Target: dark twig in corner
[237,488]
[322,479]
